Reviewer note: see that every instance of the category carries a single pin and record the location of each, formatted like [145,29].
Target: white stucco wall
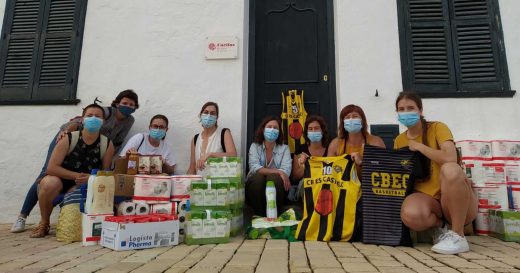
[156,48]
[367,56]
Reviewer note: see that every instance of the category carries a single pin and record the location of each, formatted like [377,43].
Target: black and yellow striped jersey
[387,179]
[331,192]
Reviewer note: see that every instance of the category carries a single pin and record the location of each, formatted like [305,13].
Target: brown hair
[159,116]
[259,135]
[342,133]
[324,130]
[128,93]
[93,105]
[424,124]
[209,103]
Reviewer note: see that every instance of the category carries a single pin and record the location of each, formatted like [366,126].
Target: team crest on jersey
[338,169]
[407,164]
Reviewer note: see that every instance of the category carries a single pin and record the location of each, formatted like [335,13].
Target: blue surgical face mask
[157,134]
[271,134]
[408,119]
[315,136]
[92,124]
[208,120]
[125,110]
[353,125]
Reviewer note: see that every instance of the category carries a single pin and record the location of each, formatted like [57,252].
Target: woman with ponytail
[446,192]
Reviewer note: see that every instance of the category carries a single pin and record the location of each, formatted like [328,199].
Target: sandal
[40,231]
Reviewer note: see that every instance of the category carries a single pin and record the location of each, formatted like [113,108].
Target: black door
[291,47]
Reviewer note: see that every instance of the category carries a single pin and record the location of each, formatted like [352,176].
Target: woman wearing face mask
[446,193]
[353,134]
[316,143]
[269,160]
[211,142]
[118,121]
[153,143]
[69,169]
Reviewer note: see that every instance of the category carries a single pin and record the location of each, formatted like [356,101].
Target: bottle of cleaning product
[90,186]
[270,197]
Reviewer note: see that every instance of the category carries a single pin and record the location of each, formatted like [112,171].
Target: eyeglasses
[154,126]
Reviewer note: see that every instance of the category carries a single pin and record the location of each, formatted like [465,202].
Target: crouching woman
[71,163]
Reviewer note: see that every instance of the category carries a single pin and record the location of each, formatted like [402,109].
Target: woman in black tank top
[69,169]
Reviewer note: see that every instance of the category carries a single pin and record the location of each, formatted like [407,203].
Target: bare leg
[50,187]
[458,202]
[420,212]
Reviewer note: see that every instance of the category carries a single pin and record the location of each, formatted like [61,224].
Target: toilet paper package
[152,189]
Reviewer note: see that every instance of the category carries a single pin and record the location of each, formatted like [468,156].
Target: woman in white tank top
[211,142]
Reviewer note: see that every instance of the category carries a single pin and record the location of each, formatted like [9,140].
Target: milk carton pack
[505,224]
[210,193]
[139,232]
[224,167]
[208,226]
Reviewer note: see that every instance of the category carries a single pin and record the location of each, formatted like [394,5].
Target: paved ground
[19,253]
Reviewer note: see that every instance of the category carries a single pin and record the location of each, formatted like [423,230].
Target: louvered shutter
[19,48]
[429,47]
[56,67]
[476,46]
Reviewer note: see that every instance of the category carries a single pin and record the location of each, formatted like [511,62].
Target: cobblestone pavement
[19,253]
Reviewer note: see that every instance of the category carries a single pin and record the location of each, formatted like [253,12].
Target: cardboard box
[505,224]
[124,185]
[91,225]
[492,195]
[121,165]
[127,236]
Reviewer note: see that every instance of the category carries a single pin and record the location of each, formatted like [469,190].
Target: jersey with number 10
[331,192]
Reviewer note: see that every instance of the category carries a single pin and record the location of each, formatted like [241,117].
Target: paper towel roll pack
[152,189]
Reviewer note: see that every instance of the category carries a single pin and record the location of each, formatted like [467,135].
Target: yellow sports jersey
[437,133]
[331,192]
[294,116]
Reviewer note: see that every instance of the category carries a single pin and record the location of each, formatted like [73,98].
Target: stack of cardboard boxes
[493,167]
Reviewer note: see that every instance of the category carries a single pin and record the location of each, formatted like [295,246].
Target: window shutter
[59,50]
[429,47]
[19,48]
[477,46]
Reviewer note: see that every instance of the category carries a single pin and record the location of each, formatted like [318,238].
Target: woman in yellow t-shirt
[353,134]
[446,193]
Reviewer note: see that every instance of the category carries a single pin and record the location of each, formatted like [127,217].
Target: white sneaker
[451,243]
[438,232]
[18,225]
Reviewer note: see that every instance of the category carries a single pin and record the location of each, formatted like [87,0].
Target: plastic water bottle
[90,190]
[270,197]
